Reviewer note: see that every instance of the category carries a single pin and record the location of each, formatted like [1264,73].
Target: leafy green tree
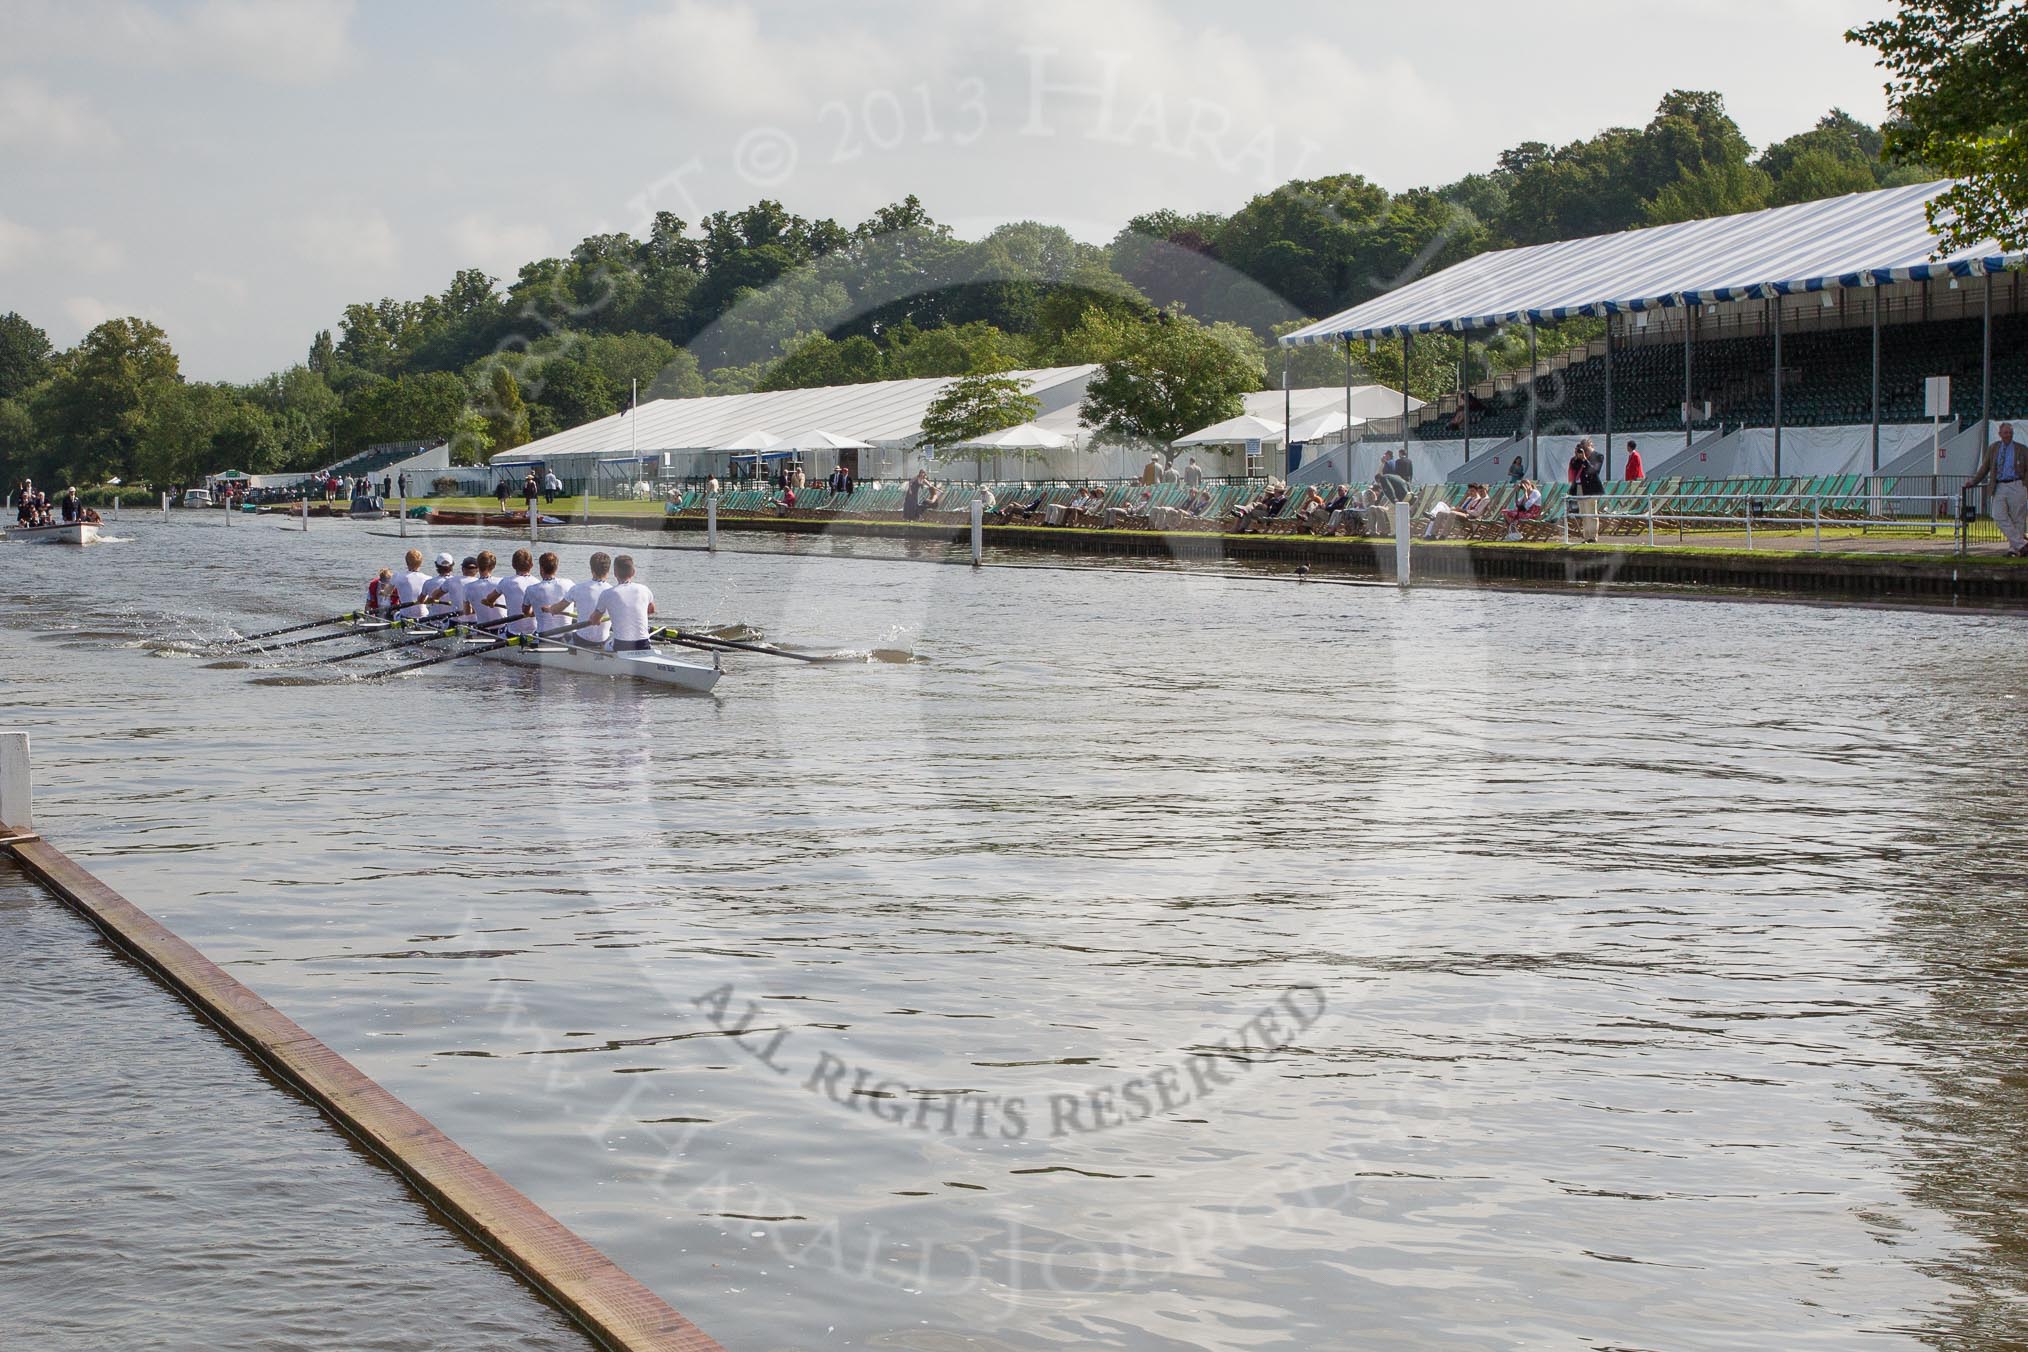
[626,358]
[1717,189]
[504,411]
[24,356]
[576,391]
[408,408]
[1816,174]
[951,350]
[90,413]
[975,405]
[1302,241]
[811,361]
[1173,377]
[1959,85]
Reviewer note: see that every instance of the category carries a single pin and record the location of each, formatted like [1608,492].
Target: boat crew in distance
[627,604]
[583,600]
[547,599]
[482,591]
[443,594]
[409,584]
[511,591]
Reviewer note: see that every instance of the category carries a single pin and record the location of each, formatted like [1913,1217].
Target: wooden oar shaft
[708,642]
[436,632]
[346,618]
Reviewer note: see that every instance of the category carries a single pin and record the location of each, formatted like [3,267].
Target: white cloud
[284,41]
[712,56]
[18,244]
[35,117]
[278,41]
[361,243]
[498,247]
[74,248]
[88,312]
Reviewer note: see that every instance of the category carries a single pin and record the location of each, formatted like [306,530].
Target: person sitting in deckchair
[1528,508]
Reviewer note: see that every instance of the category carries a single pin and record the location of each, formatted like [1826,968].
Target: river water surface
[1161,960]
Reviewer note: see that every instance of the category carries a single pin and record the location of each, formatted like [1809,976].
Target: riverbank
[1872,572]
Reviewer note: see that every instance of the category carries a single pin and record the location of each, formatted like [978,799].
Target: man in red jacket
[1633,465]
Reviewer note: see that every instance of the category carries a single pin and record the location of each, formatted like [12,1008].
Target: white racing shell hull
[562,656]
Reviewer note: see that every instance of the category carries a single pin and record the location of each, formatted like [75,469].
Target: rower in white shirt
[628,605]
[510,591]
[546,600]
[482,590]
[443,594]
[583,600]
[408,586]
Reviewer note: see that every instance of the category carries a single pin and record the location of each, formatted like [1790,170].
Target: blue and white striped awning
[1864,239]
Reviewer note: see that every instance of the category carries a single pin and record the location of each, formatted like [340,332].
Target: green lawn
[567,508]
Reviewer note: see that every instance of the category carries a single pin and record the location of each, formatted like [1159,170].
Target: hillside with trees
[761,298]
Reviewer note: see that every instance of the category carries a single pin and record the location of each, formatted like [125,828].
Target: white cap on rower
[446,561]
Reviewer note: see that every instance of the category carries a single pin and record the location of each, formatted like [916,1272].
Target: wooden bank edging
[611,1306]
[1462,562]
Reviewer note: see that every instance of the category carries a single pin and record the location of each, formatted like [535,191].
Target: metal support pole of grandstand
[1534,453]
[1689,315]
[401,505]
[711,522]
[1405,337]
[306,507]
[1465,392]
[1609,396]
[306,510]
[1986,371]
[1348,410]
[1775,304]
[978,532]
[587,506]
[1288,420]
[1876,378]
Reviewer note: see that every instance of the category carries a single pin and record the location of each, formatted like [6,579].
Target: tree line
[1181,309]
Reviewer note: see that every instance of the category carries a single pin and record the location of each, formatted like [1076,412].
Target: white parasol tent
[1246,427]
[817,439]
[1021,437]
[753,439]
[1319,426]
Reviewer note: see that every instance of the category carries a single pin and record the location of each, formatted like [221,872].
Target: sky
[239,170]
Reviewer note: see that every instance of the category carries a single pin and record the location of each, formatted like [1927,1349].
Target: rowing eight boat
[563,656]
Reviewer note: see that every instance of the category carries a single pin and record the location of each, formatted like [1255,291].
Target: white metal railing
[1753,510]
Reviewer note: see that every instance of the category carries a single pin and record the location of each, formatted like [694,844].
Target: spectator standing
[530,491]
[1588,487]
[1404,468]
[1151,473]
[1516,472]
[1632,469]
[2005,466]
[500,492]
[387,485]
[1193,473]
